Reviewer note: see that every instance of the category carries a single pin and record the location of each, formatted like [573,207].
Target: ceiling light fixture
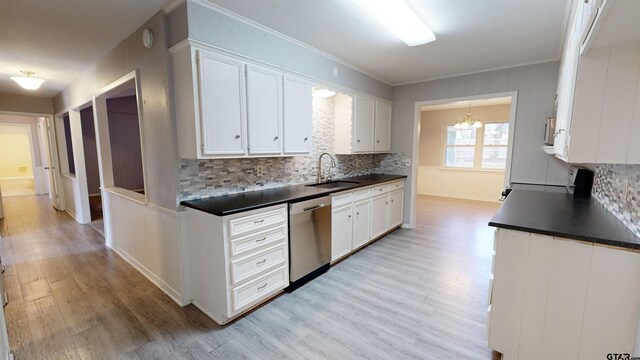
[28,82]
[468,121]
[398,18]
[324,93]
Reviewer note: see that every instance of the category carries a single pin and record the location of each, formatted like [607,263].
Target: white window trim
[478,148]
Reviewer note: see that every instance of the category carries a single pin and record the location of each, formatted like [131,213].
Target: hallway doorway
[16,161]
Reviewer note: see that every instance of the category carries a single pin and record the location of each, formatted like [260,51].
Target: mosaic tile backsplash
[205,178]
[609,189]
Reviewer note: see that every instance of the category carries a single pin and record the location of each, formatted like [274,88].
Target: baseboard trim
[166,288]
[496,200]
[72,214]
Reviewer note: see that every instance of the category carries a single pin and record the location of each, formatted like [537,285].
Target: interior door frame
[416,140]
[32,149]
[54,193]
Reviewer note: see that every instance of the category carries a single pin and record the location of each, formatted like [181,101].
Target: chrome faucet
[333,164]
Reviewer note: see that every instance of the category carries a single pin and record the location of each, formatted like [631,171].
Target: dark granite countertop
[561,215]
[251,200]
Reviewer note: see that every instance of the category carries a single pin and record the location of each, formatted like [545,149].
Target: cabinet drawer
[245,268]
[341,199]
[362,194]
[396,185]
[259,289]
[380,189]
[255,241]
[252,223]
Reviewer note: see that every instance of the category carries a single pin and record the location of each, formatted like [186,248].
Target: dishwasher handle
[309,205]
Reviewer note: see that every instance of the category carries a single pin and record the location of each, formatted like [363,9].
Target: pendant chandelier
[468,121]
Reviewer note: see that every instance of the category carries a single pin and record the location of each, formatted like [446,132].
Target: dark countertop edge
[595,240]
[328,192]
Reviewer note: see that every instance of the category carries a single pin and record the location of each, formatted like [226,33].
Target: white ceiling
[467,104]
[471,35]
[61,39]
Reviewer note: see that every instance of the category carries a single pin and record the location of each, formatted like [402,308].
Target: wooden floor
[415,294]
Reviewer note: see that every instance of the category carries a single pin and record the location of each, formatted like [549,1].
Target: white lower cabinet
[379,215]
[363,215]
[555,298]
[361,212]
[237,261]
[341,231]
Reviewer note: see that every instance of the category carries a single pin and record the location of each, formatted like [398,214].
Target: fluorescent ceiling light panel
[398,18]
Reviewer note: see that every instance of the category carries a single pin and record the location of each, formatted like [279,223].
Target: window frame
[478,147]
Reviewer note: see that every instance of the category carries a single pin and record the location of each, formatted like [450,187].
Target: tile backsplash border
[617,188]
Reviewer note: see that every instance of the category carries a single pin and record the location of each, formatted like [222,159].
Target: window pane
[459,157]
[461,136]
[494,157]
[496,134]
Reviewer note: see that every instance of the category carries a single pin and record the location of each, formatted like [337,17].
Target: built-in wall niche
[119,138]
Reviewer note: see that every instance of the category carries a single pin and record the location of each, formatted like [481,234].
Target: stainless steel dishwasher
[309,239]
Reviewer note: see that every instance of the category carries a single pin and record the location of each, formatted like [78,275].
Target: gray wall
[153,65]
[27,104]
[222,31]
[536,87]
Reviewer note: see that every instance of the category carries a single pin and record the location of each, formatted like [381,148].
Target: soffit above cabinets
[471,36]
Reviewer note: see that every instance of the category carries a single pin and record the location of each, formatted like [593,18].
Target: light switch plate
[407,162]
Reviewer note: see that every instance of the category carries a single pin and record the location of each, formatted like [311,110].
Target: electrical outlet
[407,162]
[260,170]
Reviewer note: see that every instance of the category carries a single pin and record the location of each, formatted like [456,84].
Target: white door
[360,224]
[379,215]
[341,232]
[297,115]
[264,104]
[222,104]
[382,127]
[396,199]
[56,197]
[365,109]
[43,144]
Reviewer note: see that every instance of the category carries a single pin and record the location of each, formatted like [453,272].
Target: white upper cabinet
[382,127]
[227,107]
[298,123]
[264,110]
[598,114]
[363,126]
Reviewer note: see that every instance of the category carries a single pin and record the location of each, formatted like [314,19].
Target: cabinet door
[361,224]
[341,232]
[382,127]
[396,200]
[222,104]
[297,116]
[379,215]
[363,125]
[264,104]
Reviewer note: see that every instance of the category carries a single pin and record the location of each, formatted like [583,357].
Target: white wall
[536,87]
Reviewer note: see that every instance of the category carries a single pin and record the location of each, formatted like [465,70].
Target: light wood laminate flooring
[414,294]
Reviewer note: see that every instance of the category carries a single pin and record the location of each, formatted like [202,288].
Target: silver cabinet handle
[377,141]
[275,138]
[260,288]
[261,240]
[258,221]
[261,262]
[305,139]
[358,140]
[237,137]
[349,216]
[358,213]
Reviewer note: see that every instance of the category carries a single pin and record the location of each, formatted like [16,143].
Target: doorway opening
[23,166]
[463,147]
[89,145]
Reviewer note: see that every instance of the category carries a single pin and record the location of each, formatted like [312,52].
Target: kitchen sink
[333,184]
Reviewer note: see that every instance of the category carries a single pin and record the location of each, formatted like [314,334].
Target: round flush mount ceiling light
[147,38]
[324,93]
[28,82]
